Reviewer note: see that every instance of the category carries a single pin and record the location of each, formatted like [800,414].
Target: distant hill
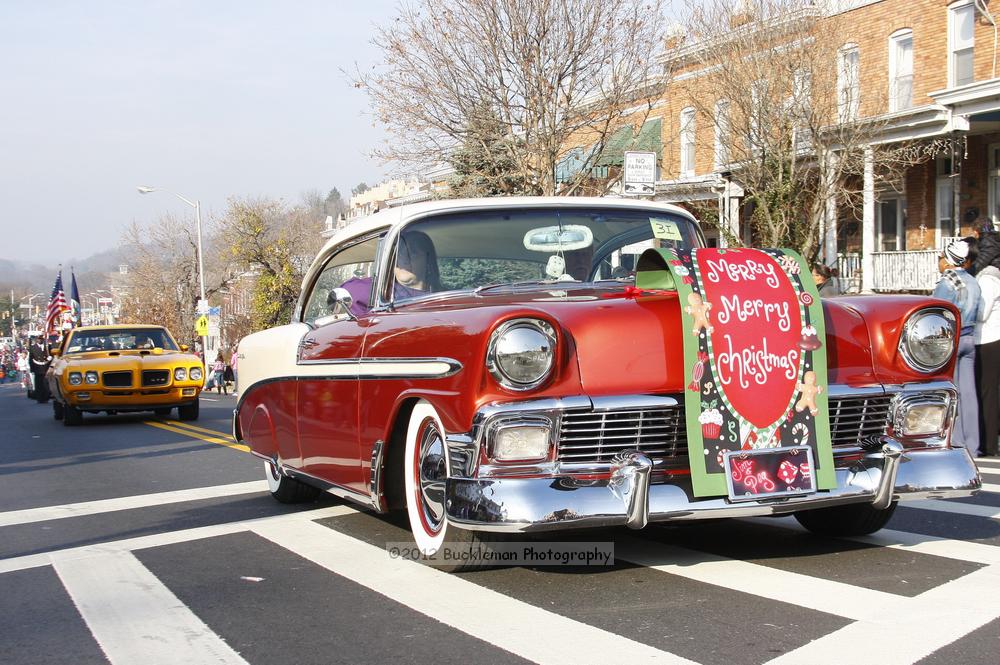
[91,273]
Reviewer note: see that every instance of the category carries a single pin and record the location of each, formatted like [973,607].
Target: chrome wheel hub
[432,472]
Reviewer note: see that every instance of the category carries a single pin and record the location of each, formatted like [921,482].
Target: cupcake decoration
[810,340]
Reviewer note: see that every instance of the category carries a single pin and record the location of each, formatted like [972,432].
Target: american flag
[57,308]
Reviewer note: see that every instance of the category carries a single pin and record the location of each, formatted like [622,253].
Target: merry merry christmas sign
[754,369]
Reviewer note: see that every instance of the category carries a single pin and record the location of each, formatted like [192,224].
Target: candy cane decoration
[697,372]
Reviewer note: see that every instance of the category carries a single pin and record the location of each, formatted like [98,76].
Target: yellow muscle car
[123,368]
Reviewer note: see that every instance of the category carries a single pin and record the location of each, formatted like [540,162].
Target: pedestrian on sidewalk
[219,374]
[987,337]
[960,288]
[234,365]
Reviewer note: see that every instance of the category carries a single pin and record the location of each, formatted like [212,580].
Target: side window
[353,266]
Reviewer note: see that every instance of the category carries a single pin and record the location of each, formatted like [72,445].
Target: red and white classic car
[490,367]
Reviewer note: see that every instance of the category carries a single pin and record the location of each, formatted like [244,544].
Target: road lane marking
[177,423]
[837,598]
[909,629]
[134,617]
[14,564]
[209,439]
[991,487]
[473,609]
[31,515]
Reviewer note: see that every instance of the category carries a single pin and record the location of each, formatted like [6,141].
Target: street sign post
[639,178]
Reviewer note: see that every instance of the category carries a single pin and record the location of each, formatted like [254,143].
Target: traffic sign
[201,326]
[640,173]
[202,307]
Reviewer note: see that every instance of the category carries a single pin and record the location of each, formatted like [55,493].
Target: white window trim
[952,9]
[723,134]
[848,101]
[894,39]
[688,142]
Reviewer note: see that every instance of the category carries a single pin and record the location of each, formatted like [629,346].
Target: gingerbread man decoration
[809,391]
[698,309]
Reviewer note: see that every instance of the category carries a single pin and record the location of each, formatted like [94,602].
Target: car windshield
[497,248]
[120,339]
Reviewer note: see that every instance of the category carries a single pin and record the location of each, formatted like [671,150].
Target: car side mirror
[184,347]
[340,301]
[54,352]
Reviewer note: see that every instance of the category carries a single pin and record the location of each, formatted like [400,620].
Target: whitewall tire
[425,472]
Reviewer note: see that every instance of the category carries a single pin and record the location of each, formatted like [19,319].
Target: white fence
[906,271]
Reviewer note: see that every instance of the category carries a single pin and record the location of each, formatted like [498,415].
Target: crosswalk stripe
[955,508]
[134,617]
[461,604]
[228,442]
[959,550]
[27,561]
[30,515]
[909,629]
[828,596]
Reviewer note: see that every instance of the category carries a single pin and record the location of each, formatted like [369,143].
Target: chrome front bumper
[629,498]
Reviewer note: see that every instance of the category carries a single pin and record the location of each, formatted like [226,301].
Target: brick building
[914,70]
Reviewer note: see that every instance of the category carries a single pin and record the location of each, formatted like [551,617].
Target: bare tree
[553,73]
[162,282]
[777,91]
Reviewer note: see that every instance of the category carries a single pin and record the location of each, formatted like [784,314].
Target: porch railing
[906,271]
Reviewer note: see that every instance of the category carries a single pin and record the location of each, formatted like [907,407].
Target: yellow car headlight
[180,374]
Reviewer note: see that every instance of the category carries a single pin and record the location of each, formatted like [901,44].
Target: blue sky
[211,99]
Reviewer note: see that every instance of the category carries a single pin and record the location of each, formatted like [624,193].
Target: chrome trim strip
[324,485]
[375,483]
[367,368]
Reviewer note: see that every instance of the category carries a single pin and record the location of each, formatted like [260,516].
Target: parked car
[123,368]
[490,367]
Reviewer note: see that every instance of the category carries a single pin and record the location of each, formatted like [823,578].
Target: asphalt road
[135,539]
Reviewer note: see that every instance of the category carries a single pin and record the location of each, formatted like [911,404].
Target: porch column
[868,224]
[733,194]
[830,218]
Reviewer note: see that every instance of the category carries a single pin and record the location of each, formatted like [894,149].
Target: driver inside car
[415,272]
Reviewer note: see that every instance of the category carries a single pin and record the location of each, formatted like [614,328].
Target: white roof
[394,216]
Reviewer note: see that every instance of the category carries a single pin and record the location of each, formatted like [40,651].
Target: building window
[848,82]
[723,133]
[687,142]
[892,225]
[901,70]
[944,200]
[961,40]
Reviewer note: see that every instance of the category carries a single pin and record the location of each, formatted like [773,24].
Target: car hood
[631,342]
[121,360]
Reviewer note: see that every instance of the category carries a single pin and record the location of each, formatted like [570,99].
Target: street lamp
[31,315]
[143,189]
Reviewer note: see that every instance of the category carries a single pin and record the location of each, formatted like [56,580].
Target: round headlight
[196,374]
[75,378]
[91,378]
[521,353]
[180,374]
[928,340]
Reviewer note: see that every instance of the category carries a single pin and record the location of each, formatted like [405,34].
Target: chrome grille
[855,417]
[595,437]
[155,377]
[117,379]
[590,437]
